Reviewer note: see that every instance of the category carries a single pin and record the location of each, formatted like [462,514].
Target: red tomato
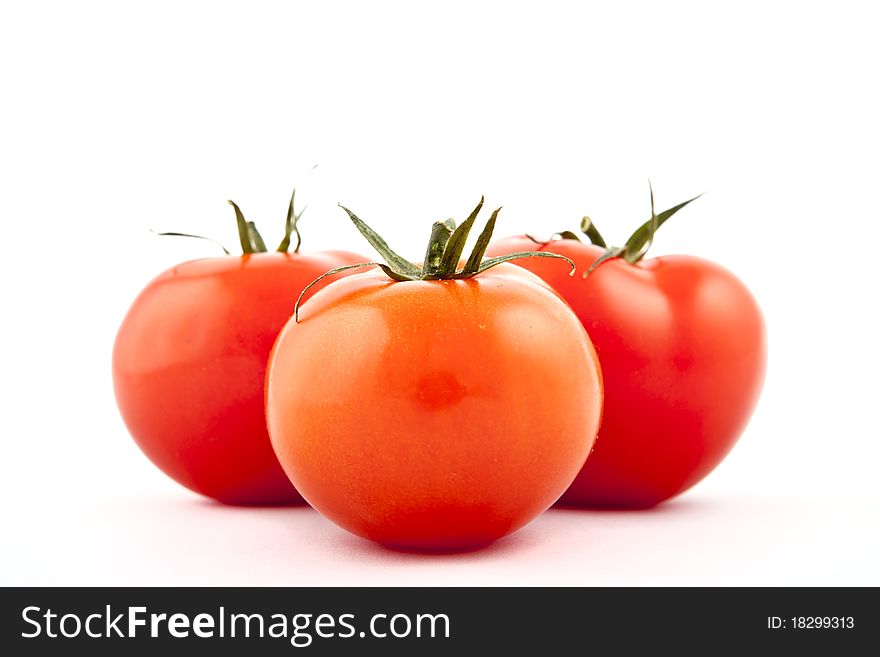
[434,414]
[189,366]
[682,347]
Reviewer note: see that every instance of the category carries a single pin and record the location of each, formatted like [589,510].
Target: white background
[120,118]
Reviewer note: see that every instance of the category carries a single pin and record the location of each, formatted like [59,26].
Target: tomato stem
[443,255]
[589,229]
[249,237]
[638,244]
[440,234]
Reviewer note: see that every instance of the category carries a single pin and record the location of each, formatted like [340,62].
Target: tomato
[682,346]
[437,413]
[189,367]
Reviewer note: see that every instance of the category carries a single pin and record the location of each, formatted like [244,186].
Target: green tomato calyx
[250,238]
[442,257]
[636,246]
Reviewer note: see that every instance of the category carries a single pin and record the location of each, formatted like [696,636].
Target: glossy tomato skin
[434,415]
[683,349]
[189,367]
